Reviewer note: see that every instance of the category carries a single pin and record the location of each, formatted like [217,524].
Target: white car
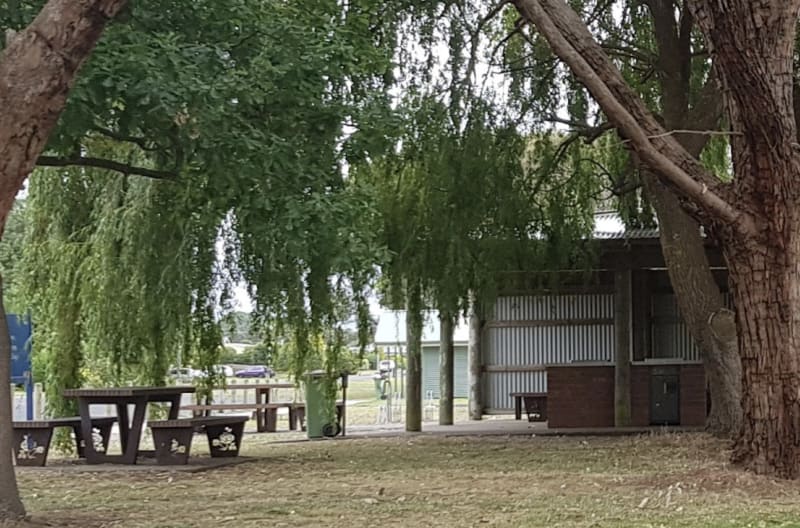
[386,365]
[184,374]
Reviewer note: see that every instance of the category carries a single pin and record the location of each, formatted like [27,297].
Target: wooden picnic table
[262,392]
[536,400]
[130,432]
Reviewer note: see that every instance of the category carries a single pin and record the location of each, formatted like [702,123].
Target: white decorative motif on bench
[29,449]
[97,441]
[226,441]
[176,448]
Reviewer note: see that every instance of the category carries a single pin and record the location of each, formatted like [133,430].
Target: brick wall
[583,396]
[580,396]
[693,395]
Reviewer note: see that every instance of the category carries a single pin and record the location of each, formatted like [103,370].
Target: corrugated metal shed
[526,333]
[431,369]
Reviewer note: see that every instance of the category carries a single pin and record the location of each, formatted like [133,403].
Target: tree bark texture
[623,301]
[37,70]
[756,217]
[10,504]
[752,45]
[701,303]
[446,363]
[766,286]
[702,307]
[414,324]
[474,350]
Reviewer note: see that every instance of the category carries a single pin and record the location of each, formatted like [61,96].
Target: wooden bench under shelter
[173,438]
[32,438]
[535,405]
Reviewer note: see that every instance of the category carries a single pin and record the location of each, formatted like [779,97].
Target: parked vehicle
[185,374]
[256,372]
[386,365]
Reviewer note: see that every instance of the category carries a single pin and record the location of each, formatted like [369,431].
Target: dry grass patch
[661,480]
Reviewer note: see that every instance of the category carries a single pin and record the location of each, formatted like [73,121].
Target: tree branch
[80,161]
[136,140]
[572,42]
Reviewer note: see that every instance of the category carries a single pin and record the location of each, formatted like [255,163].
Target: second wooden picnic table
[262,397]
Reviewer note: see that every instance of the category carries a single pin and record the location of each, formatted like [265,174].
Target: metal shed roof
[609,225]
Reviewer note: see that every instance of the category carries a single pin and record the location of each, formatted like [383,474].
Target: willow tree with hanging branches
[192,133]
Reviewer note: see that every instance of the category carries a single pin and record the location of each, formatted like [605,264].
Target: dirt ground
[662,480]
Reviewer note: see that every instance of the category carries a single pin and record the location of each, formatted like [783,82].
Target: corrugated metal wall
[461,373]
[431,370]
[527,332]
[670,335]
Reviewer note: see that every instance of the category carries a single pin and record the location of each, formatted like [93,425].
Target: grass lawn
[666,480]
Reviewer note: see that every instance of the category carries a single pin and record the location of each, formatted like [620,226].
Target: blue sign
[19,329]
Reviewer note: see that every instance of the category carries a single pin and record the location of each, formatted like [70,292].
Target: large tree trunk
[699,299]
[766,287]
[755,217]
[446,353]
[37,71]
[752,44]
[474,350]
[702,307]
[10,504]
[414,324]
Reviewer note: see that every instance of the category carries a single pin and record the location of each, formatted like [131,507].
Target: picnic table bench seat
[32,437]
[173,438]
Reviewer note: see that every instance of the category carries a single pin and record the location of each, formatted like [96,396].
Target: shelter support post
[622,350]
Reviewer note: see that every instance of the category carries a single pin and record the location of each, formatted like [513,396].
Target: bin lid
[316,374]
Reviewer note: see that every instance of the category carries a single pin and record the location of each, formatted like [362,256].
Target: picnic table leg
[518,407]
[174,406]
[91,454]
[124,425]
[134,432]
[261,423]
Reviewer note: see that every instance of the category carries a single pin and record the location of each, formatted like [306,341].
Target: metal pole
[28,395]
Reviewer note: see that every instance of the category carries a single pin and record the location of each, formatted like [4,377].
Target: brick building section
[584,396]
[580,396]
[693,395]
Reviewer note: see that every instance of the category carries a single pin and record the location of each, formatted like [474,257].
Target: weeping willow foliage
[546,95]
[313,145]
[241,109]
[476,186]
[118,279]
